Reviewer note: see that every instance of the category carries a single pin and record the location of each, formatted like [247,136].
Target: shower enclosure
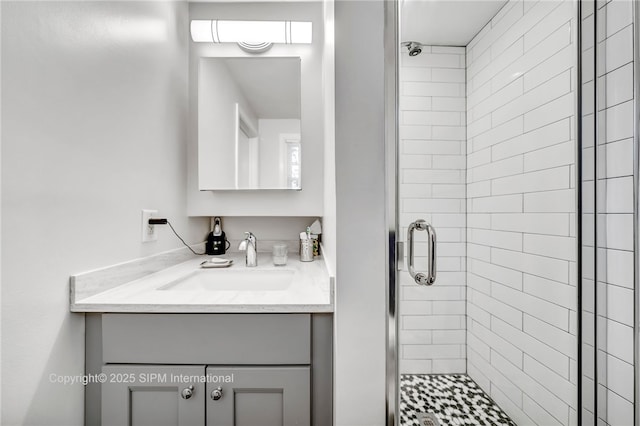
[512,181]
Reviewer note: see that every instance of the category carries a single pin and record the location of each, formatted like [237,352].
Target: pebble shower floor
[455,399]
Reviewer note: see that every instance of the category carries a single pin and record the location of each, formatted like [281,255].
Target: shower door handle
[430,277]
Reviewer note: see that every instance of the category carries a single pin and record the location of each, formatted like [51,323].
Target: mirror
[249,123]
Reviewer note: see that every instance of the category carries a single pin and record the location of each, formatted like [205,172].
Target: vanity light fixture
[252,36]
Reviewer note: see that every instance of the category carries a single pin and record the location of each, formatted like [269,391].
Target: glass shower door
[431,193]
[487,154]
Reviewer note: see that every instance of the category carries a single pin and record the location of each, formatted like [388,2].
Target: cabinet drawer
[207,338]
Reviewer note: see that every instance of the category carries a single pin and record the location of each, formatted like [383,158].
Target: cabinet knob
[187,392]
[216,394]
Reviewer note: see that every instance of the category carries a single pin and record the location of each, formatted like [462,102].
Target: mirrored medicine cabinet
[249,125]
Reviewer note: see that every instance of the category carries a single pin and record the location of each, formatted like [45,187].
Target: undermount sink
[232,280]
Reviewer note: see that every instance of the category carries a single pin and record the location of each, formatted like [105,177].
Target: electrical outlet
[148,231]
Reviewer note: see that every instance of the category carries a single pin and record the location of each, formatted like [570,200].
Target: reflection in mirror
[249,123]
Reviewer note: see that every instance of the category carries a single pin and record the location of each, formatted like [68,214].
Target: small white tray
[217,263]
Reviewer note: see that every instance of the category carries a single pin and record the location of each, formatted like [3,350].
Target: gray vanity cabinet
[209,369]
[152,395]
[259,396]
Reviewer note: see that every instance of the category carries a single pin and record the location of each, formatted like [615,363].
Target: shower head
[414,47]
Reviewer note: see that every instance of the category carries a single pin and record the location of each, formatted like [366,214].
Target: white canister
[306,250]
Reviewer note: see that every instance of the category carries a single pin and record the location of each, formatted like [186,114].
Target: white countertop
[310,291]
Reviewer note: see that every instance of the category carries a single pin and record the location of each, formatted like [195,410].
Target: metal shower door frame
[391,107]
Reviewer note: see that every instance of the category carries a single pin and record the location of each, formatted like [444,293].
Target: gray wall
[94,114]
[360,200]
[329,205]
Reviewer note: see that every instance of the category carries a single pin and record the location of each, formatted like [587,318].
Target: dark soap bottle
[216,241]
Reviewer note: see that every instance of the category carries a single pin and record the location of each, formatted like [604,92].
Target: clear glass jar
[280,251]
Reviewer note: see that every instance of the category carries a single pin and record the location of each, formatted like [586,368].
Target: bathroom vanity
[208,356]
[209,369]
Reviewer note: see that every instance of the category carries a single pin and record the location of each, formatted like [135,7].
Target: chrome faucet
[249,245]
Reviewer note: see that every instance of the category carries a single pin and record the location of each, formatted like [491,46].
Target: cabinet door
[152,395]
[258,396]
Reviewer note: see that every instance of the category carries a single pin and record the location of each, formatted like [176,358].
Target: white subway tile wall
[521,245]
[495,172]
[612,201]
[432,164]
